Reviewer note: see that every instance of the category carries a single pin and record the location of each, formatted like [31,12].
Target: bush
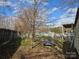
[26,42]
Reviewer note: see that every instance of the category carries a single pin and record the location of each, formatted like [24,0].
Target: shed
[7,30]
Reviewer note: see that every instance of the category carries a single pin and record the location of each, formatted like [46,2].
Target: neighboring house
[76,31]
[68,28]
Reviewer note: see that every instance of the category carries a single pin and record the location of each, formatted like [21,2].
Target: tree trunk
[34,18]
[33,34]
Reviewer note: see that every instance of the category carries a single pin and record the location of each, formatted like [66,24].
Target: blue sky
[58,11]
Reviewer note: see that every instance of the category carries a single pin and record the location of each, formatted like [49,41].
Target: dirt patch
[37,53]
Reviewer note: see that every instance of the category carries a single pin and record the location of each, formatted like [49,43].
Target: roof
[68,25]
[7,23]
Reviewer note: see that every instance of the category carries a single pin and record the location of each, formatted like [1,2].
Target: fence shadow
[69,52]
[9,43]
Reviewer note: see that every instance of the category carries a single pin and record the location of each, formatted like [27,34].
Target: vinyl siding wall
[76,41]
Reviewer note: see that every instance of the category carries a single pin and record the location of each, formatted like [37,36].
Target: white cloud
[52,18]
[2,3]
[70,12]
[57,23]
[52,10]
[29,1]
[68,16]
[32,1]
[45,3]
[67,20]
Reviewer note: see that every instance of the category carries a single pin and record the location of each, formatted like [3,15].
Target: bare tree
[32,18]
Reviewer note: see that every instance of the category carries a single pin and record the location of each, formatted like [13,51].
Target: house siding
[76,30]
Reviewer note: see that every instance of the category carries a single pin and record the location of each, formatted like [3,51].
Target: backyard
[39,29]
[39,49]
[36,50]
